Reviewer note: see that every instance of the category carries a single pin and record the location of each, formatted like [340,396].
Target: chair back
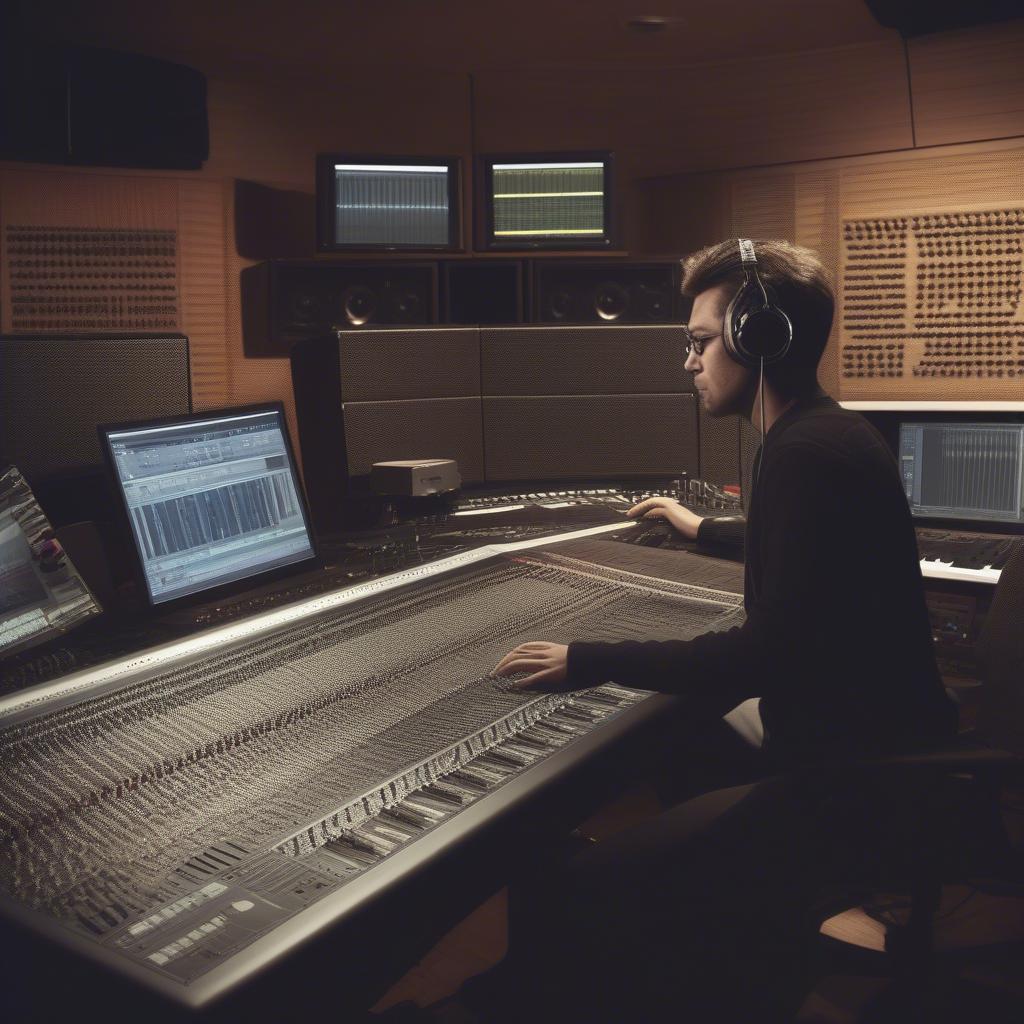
[1001,654]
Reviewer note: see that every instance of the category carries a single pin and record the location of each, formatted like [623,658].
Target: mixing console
[171,811]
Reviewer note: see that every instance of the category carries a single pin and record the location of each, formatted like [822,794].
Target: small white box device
[415,478]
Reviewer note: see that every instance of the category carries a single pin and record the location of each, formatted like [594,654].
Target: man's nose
[692,362]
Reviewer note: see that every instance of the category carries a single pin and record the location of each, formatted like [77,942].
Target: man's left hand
[545,661]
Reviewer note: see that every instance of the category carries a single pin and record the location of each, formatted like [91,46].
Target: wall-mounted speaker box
[79,105]
[286,301]
[605,292]
[377,395]
[583,360]
[554,437]
[920,17]
[482,291]
[56,389]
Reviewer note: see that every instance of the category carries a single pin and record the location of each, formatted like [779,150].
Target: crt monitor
[388,203]
[211,499]
[547,201]
[963,470]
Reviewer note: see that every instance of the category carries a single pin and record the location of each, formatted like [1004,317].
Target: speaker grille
[583,360]
[55,390]
[385,365]
[720,449]
[443,428]
[589,435]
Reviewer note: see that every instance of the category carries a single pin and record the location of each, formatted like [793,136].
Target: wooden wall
[691,143]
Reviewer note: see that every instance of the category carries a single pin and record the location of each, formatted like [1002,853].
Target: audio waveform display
[549,200]
[192,520]
[392,204]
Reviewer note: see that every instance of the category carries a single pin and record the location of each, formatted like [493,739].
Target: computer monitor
[41,593]
[956,470]
[547,201]
[389,203]
[212,500]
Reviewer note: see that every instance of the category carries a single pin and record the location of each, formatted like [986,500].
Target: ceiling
[315,37]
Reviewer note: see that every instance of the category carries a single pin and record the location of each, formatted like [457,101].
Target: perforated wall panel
[934,303]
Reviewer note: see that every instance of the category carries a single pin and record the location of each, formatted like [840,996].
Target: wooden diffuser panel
[931,306]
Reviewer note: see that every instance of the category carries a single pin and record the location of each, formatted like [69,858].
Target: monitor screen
[211,499]
[956,470]
[387,203]
[41,592]
[558,201]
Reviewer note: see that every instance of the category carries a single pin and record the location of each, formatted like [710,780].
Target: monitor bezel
[232,587]
[485,206]
[326,192]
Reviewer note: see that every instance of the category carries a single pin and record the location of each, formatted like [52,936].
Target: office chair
[959,833]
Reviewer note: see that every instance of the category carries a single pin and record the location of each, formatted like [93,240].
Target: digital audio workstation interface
[210,501]
[553,200]
[392,204]
[964,470]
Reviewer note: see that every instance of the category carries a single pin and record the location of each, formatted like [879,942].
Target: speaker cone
[304,308]
[359,304]
[560,304]
[407,307]
[654,304]
[611,300]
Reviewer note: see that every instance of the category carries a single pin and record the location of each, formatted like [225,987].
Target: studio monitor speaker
[79,105]
[285,301]
[605,292]
[921,17]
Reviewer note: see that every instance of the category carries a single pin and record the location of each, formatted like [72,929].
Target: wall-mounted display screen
[387,202]
[555,201]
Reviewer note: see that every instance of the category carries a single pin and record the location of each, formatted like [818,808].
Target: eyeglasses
[697,345]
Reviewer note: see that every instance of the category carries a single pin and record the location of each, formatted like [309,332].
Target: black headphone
[756,332]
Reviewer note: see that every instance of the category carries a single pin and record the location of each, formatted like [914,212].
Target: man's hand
[685,521]
[546,662]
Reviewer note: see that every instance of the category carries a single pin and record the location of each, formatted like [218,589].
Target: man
[705,907]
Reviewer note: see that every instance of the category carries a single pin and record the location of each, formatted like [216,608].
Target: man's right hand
[685,521]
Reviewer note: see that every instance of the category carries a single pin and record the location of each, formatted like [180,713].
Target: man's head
[798,284]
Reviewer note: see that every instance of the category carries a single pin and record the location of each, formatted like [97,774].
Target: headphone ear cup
[766,333]
[754,331]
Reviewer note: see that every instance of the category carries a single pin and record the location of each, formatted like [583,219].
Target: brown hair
[800,286]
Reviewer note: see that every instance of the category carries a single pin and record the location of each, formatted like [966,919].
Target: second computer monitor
[962,470]
[546,201]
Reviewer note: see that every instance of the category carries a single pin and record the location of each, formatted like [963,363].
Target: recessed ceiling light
[650,23]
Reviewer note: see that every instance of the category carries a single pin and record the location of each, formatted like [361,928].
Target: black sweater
[836,642]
